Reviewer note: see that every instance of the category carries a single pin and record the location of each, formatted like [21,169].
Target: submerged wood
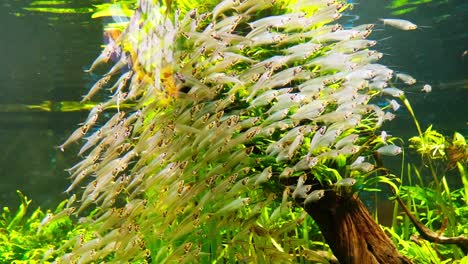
[351,232]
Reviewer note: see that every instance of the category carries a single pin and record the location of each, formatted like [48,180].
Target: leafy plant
[237,119]
[27,237]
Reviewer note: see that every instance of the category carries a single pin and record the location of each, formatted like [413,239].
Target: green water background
[43,56]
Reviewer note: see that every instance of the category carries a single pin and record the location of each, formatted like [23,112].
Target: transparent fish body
[276,116]
[389,150]
[76,135]
[224,6]
[300,189]
[301,22]
[395,92]
[265,38]
[364,27]
[272,21]
[223,78]
[105,55]
[378,85]
[336,36]
[121,63]
[327,139]
[228,24]
[353,45]
[300,48]
[95,88]
[346,94]
[314,197]
[406,78]
[295,145]
[250,6]
[334,61]
[349,150]
[394,105]
[310,110]
[93,114]
[91,141]
[287,101]
[347,140]
[399,23]
[122,81]
[361,74]
[284,77]
[363,166]
[263,177]
[234,205]
[306,163]
[264,98]
[427,88]
[333,117]
[286,173]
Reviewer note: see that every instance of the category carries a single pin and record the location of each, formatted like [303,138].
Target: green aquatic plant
[445,212]
[433,203]
[247,119]
[33,237]
[431,144]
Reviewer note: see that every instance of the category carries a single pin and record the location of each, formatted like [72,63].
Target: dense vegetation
[239,124]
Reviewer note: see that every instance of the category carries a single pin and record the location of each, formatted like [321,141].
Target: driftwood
[432,236]
[351,232]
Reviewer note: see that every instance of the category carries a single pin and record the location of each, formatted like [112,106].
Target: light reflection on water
[43,59]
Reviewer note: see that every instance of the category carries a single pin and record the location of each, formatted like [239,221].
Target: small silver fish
[427,88]
[314,197]
[406,78]
[399,23]
[345,182]
[95,88]
[389,150]
[77,134]
[395,92]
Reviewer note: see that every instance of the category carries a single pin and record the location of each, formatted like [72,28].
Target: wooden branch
[430,235]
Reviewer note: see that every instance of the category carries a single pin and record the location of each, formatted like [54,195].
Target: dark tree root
[351,232]
[432,236]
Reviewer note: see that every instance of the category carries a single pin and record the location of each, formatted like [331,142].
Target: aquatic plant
[31,237]
[244,115]
[434,204]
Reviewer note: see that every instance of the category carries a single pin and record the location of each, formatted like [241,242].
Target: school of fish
[227,102]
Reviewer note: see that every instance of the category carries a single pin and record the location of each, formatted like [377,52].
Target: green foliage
[35,237]
[433,202]
[195,168]
[431,144]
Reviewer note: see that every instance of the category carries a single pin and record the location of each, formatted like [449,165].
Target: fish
[399,23]
[394,105]
[77,134]
[224,6]
[234,205]
[406,78]
[426,88]
[104,57]
[95,88]
[345,182]
[300,191]
[314,197]
[264,176]
[395,92]
[389,150]
[306,163]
